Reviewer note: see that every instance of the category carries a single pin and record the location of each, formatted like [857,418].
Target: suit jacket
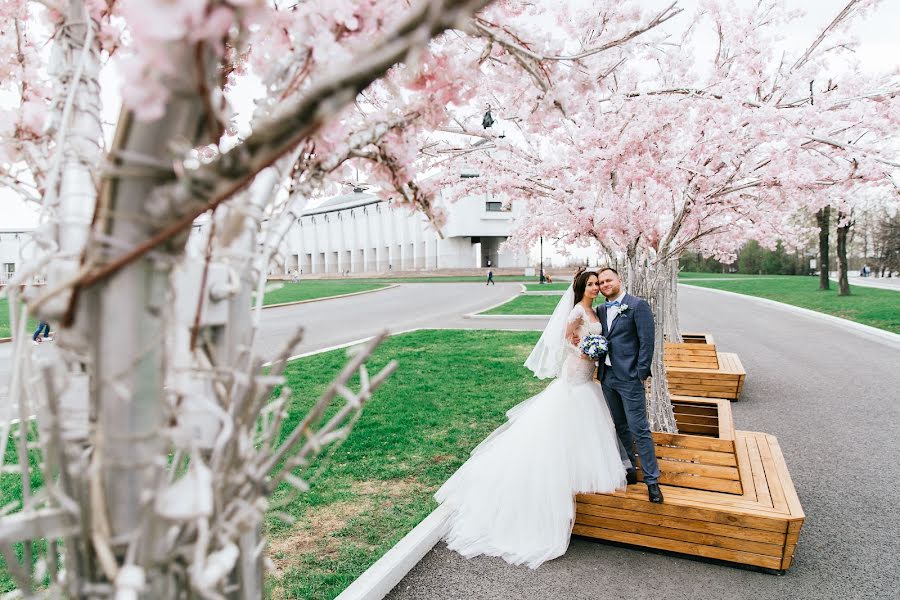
[631,339]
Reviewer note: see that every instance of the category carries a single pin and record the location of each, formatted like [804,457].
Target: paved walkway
[341,320]
[827,393]
[884,283]
[830,396]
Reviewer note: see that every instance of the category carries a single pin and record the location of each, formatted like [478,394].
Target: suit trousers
[627,402]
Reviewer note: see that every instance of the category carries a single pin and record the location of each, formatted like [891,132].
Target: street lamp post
[542,260]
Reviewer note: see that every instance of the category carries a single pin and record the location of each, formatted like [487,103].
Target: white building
[357,232]
[16,247]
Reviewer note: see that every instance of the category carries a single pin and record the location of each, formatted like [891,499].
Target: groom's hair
[608,269]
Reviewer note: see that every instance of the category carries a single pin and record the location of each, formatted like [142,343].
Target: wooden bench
[755,520]
[726,381]
[697,350]
[703,416]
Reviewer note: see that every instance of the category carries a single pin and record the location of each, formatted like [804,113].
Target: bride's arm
[572,337]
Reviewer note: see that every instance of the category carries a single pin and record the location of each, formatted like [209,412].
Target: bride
[515,496]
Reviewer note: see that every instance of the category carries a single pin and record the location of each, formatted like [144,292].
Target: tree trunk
[823,218]
[652,281]
[843,228]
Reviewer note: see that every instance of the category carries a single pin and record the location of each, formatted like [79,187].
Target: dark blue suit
[631,339]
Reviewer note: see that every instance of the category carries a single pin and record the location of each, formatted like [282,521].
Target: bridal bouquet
[594,345]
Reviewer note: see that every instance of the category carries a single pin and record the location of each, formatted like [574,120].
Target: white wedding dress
[514,497]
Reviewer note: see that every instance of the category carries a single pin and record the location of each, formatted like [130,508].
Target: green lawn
[870,306]
[4,320]
[311,289]
[689,275]
[526,305]
[418,429]
[547,287]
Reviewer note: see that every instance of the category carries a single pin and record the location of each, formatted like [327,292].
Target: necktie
[608,304]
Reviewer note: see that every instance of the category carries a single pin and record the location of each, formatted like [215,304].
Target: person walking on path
[490,279]
[43,327]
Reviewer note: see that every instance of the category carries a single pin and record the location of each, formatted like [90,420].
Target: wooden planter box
[698,350]
[728,496]
[726,381]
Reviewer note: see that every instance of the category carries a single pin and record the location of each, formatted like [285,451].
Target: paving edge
[380,289]
[379,579]
[892,339]
[479,315]
[483,316]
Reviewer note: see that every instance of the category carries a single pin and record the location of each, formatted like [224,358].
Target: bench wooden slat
[760,525]
[724,459]
[647,541]
[735,531]
[684,535]
[693,442]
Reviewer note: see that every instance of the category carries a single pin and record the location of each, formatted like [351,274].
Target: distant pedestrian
[490,279]
[43,327]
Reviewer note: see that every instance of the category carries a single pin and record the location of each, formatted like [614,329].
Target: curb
[380,289]
[390,569]
[892,339]
[493,306]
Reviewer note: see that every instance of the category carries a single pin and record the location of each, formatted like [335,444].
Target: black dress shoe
[631,477]
[654,493]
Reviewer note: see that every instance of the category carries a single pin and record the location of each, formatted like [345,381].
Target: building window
[493,206]
[9,269]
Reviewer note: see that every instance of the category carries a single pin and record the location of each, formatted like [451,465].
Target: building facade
[357,232]
[16,247]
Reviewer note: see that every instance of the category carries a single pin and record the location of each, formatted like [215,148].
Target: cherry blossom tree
[159,434]
[663,152]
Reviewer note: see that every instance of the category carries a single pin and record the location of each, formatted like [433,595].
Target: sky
[879,50]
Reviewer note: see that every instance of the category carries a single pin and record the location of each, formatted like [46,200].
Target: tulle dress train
[514,497]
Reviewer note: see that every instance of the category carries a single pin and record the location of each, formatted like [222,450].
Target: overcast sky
[879,51]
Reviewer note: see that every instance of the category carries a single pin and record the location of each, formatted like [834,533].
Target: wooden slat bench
[727,381]
[703,416]
[756,522]
[698,350]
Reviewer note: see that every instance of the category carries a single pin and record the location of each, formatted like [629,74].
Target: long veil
[548,355]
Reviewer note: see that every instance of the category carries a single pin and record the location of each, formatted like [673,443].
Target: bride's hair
[580,282]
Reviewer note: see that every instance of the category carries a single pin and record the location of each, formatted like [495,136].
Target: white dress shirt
[611,313]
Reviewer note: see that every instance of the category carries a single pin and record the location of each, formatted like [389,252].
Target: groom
[628,327]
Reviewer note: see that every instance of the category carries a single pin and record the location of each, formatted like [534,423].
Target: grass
[11,492]
[312,289]
[690,275]
[869,306]
[4,321]
[526,305]
[547,287]
[418,429]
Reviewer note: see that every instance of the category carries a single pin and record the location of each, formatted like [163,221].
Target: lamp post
[542,260]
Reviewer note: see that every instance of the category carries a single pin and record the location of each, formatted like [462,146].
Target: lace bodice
[578,369]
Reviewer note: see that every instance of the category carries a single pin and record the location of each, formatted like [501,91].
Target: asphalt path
[342,320]
[830,395]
